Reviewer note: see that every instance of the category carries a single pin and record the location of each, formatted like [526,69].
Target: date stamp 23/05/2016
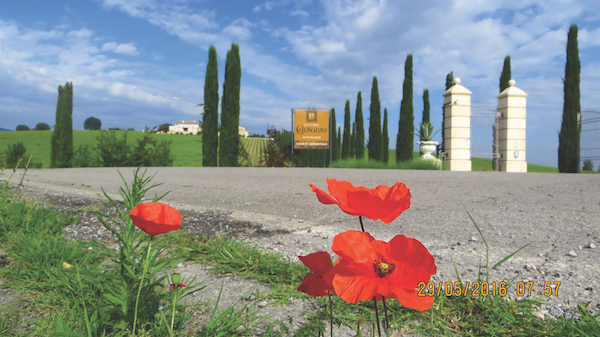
[523,289]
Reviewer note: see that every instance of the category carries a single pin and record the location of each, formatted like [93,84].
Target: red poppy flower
[155,218]
[371,268]
[381,202]
[313,283]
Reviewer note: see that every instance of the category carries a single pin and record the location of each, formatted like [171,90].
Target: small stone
[301,221]
[248,297]
[262,304]
[541,255]
[591,245]
[530,267]
[538,314]
[556,274]
[179,265]
[473,238]
[572,273]
[589,288]
[572,253]
[462,243]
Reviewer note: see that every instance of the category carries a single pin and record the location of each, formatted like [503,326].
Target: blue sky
[142,62]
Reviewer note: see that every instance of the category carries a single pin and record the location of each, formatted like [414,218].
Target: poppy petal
[354,246]
[319,262]
[155,218]
[322,196]
[410,299]
[314,285]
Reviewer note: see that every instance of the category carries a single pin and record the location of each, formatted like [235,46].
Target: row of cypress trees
[221,150]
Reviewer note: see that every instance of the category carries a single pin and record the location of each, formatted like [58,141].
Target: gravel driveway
[558,215]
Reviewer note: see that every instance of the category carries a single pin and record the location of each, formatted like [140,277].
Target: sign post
[311,130]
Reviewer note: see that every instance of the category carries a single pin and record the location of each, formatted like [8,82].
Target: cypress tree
[386,138]
[568,139]
[62,137]
[339,144]
[346,140]
[505,75]
[426,109]
[210,121]
[353,142]
[230,109]
[375,141]
[333,146]
[449,83]
[359,136]
[404,141]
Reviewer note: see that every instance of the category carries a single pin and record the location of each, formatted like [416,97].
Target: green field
[187,149]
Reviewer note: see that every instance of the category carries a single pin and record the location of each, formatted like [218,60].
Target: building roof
[188,122]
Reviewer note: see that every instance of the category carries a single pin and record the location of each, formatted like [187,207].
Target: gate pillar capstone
[457,127]
[512,103]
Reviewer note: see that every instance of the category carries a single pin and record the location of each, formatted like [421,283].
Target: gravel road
[558,215]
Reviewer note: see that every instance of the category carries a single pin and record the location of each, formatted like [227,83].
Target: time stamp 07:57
[486,289]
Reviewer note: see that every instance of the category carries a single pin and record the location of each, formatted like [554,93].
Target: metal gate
[485,155]
[589,139]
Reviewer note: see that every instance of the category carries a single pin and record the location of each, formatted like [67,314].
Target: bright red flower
[313,283]
[369,268]
[381,202]
[155,217]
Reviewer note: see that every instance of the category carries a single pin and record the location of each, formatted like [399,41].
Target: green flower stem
[387,322]
[361,224]
[330,313]
[377,316]
[176,290]
[137,300]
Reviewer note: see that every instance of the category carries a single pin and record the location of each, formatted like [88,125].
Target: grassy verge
[64,299]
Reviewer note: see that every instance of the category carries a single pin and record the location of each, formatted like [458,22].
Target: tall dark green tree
[386,138]
[230,109]
[339,144]
[449,84]
[568,138]
[359,136]
[334,146]
[347,132]
[353,142]
[375,141]
[505,75]
[404,140]
[210,120]
[62,137]
[426,109]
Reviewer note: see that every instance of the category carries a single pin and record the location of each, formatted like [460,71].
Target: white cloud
[120,48]
[132,92]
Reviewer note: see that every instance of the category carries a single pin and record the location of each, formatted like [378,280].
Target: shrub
[42,127]
[83,157]
[113,152]
[16,157]
[23,127]
[588,165]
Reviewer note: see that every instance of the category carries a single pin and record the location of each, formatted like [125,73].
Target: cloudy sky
[137,63]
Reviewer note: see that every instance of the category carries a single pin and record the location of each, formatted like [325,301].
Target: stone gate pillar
[457,127]
[512,103]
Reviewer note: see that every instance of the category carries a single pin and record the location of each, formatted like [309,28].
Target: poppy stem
[387,322]
[137,300]
[377,316]
[330,313]
[361,224]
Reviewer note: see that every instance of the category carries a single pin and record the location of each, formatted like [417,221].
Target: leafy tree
[568,139]
[339,144]
[386,138]
[210,121]
[62,137]
[359,136]
[22,127]
[404,140]
[588,165]
[375,141]
[449,84]
[230,109]
[347,130]
[42,127]
[92,123]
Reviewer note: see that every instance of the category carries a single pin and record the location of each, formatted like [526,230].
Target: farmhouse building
[185,127]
